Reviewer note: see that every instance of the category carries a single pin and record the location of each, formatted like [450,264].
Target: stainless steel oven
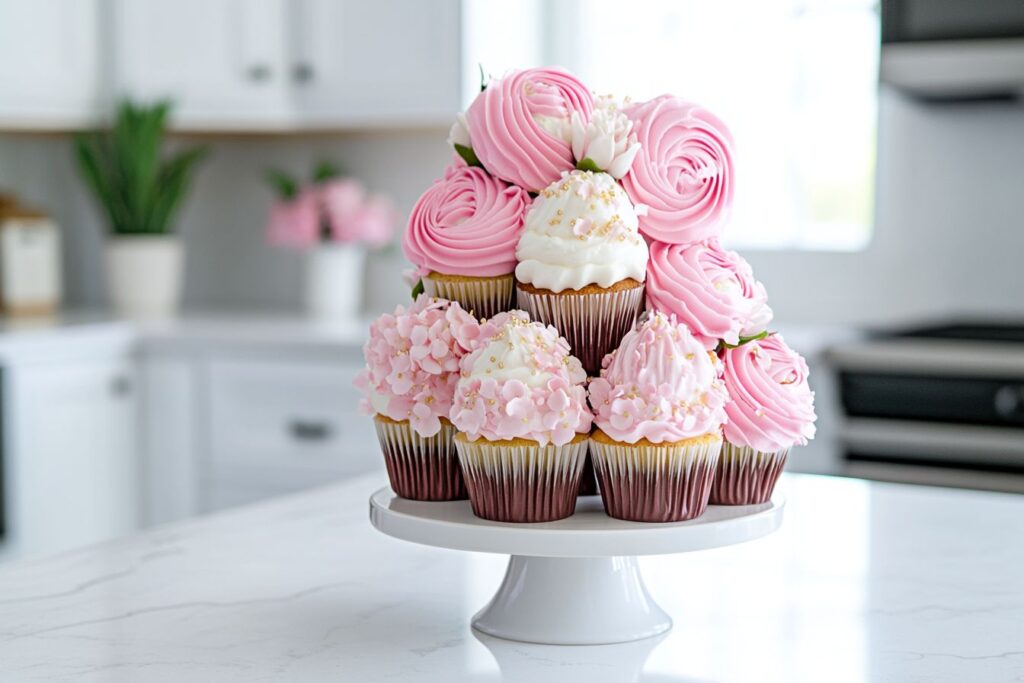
[938,404]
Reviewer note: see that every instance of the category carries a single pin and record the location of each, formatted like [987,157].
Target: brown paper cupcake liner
[746,476]
[592,323]
[588,480]
[520,481]
[655,482]
[484,297]
[420,468]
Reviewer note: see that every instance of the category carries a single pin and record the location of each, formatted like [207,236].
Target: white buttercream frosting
[581,230]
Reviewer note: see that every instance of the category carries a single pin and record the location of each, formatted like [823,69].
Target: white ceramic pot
[334,281]
[144,274]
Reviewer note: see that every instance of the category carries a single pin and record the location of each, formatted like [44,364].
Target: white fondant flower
[459,132]
[607,142]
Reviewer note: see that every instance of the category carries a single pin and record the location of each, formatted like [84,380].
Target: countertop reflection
[864,582]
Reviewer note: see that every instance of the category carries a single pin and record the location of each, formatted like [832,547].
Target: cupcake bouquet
[574,314]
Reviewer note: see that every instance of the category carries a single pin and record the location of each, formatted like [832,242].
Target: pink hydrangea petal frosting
[709,289]
[683,172]
[412,362]
[466,223]
[660,384]
[521,383]
[771,406]
[521,125]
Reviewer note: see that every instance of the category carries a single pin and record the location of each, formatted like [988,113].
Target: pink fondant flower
[683,171]
[520,126]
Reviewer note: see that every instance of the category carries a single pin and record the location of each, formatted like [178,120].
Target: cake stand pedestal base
[574,581]
[572,601]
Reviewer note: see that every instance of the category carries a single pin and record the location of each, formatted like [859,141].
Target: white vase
[144,274]
[334,281]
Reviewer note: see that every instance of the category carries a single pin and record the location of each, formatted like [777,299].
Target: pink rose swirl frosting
[683,172]
[412,362]
[770,406]
[521,125]
[522,383]
[466,223]
[660,384]
[709,289]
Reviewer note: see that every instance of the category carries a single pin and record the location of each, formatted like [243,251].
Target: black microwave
[953,49]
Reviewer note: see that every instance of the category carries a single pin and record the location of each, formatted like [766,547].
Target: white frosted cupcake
[520,408]
[582,263]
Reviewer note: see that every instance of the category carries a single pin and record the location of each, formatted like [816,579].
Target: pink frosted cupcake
[658,408]
[462,237]
[521,410]
[412,359]
[770,409]
[709,289]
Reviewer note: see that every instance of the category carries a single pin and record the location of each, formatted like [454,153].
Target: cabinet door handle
[303,72]
[310,430]
[258,73]
[1009,402]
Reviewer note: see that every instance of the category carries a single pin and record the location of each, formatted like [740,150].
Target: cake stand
[575,581]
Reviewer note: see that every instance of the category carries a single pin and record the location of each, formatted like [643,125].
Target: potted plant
[335,220]
[140,189]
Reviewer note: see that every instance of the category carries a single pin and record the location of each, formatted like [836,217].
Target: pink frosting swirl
[412,362]
[660,385]
[710,289]
[466,223]
[522,384]
[683,172]
[771,406]
[521,128]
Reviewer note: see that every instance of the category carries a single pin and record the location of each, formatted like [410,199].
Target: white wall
[949,234]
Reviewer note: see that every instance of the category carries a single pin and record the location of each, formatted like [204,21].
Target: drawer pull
[310,430]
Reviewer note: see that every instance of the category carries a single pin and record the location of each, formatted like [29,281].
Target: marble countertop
[864,582]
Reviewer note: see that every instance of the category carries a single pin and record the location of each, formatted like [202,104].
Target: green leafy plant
[138,187]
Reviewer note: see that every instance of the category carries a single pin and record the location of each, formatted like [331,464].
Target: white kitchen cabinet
[222,62]
[50,65]
[70,452]
[279,425]
[382,62]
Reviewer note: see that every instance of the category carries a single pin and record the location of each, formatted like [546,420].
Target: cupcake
[658,410]
[582,263]
[412,365]
[709,289]
[521,412]
[461,236]
[770,409]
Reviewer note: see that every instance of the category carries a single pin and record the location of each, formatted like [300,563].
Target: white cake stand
[575,581]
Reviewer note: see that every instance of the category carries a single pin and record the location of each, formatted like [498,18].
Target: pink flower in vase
[295,222]
[354,217]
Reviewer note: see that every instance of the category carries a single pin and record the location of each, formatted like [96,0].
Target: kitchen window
[796,81]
